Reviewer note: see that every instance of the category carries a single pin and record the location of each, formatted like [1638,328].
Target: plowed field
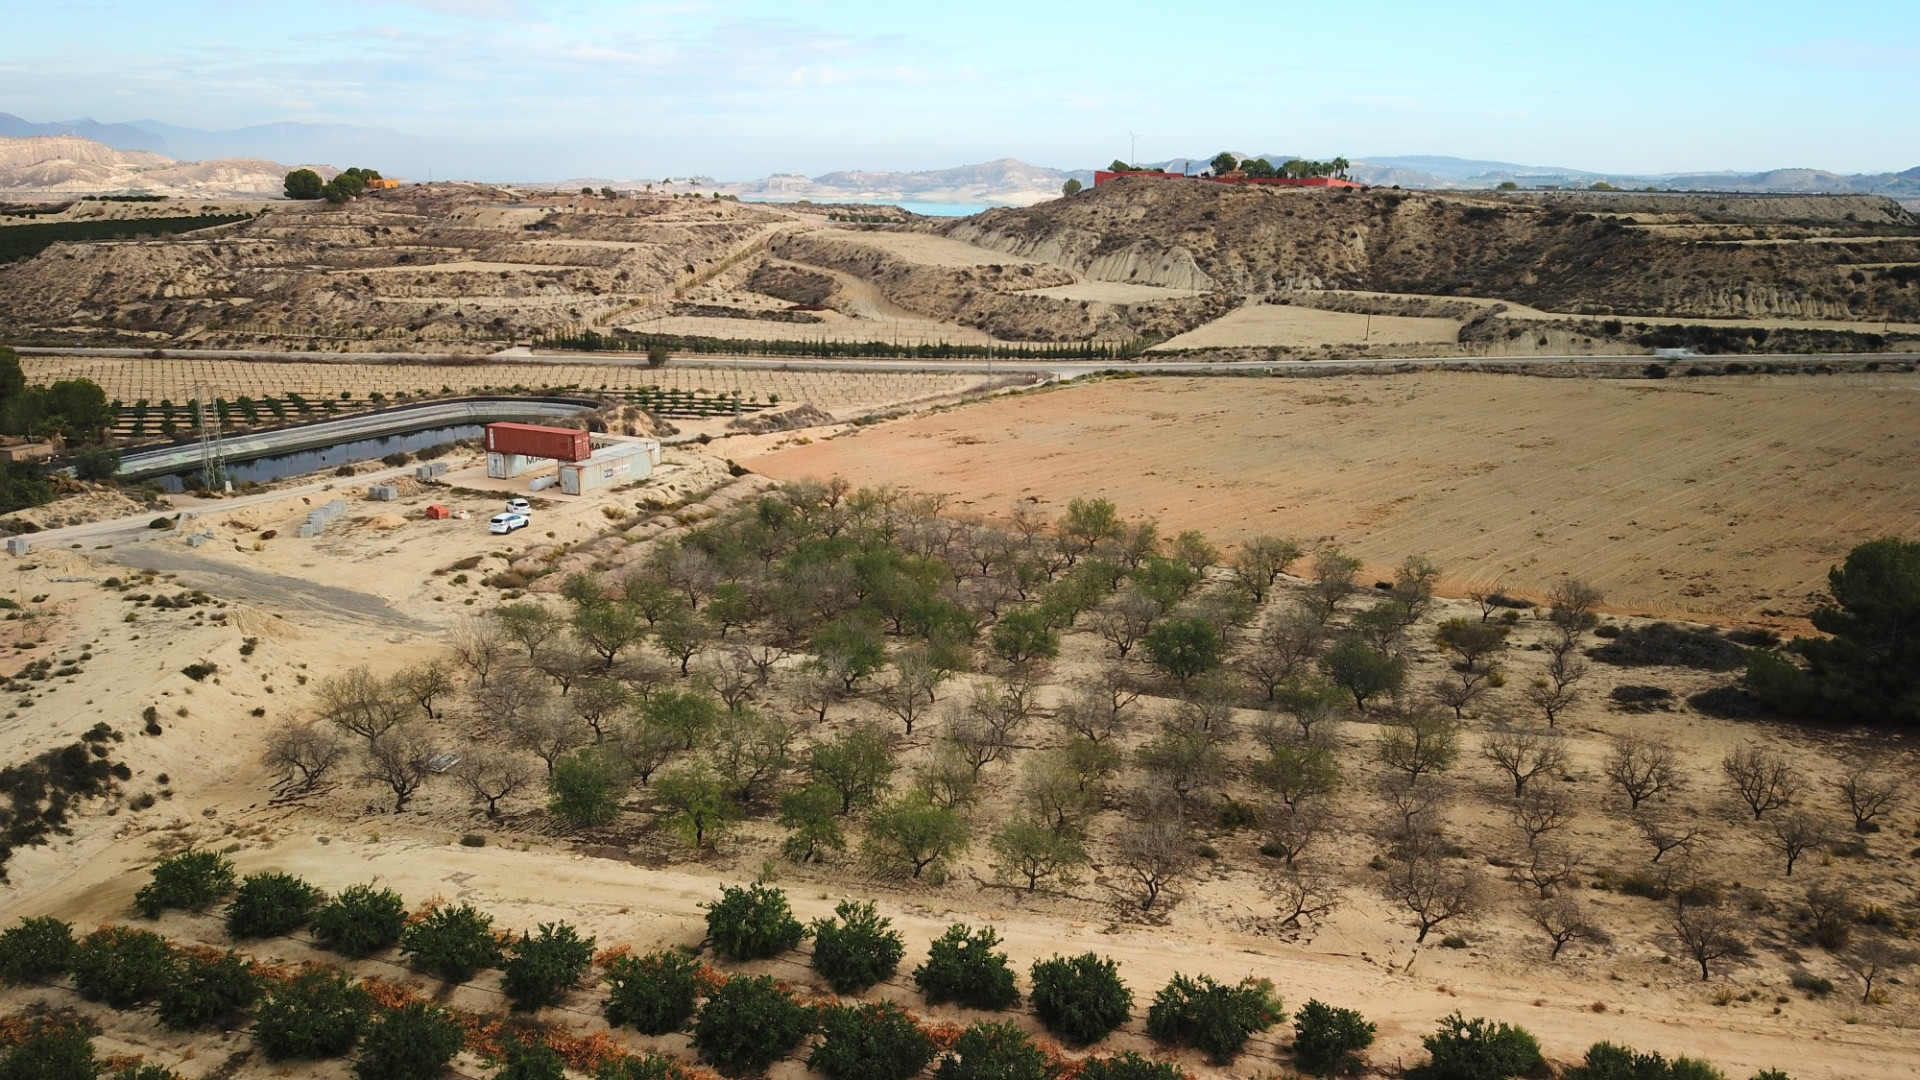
[1725,498]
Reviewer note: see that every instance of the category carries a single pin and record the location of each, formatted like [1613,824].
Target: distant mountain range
[1005,181]
[341,144]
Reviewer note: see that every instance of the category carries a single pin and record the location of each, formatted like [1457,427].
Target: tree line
[306,185]
[739,1024]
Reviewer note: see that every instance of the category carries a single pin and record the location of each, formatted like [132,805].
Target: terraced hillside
[1835,258]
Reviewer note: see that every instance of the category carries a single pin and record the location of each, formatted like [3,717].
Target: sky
[525,89]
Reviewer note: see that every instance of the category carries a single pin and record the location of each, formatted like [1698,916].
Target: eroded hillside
[447,263]
[1839,257]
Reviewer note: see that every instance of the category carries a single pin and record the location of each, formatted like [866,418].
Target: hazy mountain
[64,166]
[1005,182]
[115,136]
[339,143]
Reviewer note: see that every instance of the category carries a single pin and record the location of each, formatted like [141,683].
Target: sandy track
[1725,499]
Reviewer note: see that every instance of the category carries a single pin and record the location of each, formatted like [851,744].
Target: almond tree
[1764,781]
[1642,767]
[1868,794]
[1523,755]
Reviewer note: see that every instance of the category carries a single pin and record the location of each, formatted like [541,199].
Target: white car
[519,506]
[505,523]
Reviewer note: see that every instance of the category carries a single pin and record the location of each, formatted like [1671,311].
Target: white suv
[506,523]
[519,506]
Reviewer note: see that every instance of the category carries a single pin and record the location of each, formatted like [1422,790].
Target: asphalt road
[1065,369]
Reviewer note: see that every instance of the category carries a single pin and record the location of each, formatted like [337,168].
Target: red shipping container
[531,440]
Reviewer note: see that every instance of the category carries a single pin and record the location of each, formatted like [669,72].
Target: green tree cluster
[1868,667]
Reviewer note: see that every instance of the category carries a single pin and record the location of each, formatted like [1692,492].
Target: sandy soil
[1727,498]
[1288,324]
[364,593]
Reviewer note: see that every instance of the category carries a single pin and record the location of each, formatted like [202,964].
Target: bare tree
[1419,742]
[910,692]
[1763,780]
[426,683]
[1101,708]
[307,751]
[1545,865]
[401,758]
[1541,811]
[947,778]
[564,666]
[1563,918]
[358,702]
[1291,830]
[1523,755]
[1570,607]
[1484,595]
[1707,932]
[1284,650]
[492,775]
[1418,809]
[1831,910]
[1667,833]
[1126,619]
[1642,767]
[1875,957]
[479,645]
[509,695]
[730,671]
[1867,793]
[765,656]
[1433,892]
[1154,846]
[1796,834]
[1304,891]
[548,732]
[1556,692]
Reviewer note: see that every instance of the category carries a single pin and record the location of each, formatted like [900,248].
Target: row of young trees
[684,680]
[739,1024]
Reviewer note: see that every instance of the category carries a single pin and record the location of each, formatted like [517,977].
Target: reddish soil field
[1724,498]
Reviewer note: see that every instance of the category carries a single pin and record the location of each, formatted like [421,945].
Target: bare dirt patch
[1286,324]
[1727,499]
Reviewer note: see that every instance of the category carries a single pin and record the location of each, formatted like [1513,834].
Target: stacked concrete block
[320,516]
[383,492]
[430,471]
[18,545]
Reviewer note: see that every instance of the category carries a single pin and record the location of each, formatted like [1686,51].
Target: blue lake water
[300,462]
